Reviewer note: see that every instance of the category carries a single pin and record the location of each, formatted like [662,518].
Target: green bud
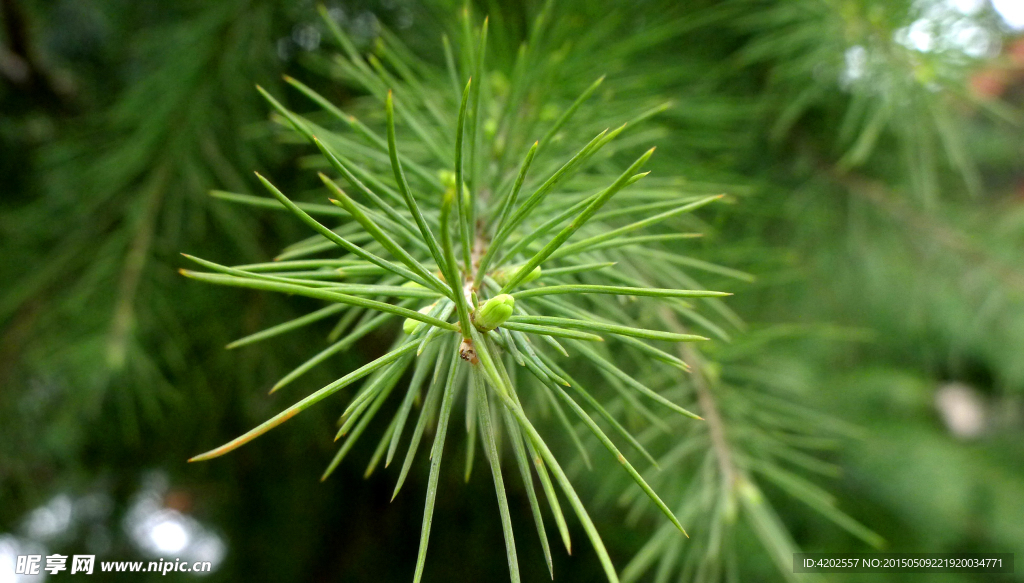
[749,491]
[494,312]
[532,275]
[447,179]
[410,326]
[504,274]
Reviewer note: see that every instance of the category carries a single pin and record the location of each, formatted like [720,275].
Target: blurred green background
[873,155]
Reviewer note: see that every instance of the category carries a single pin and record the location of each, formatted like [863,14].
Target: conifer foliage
[704,283]
[502,231]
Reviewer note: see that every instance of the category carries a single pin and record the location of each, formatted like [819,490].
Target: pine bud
[447,179]
[410,326]
[494,312]
[749,491]
[504,274]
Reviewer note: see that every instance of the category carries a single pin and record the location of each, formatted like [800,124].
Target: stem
[708,406]
[135,262]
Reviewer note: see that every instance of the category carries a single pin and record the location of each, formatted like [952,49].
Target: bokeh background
[873,154]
